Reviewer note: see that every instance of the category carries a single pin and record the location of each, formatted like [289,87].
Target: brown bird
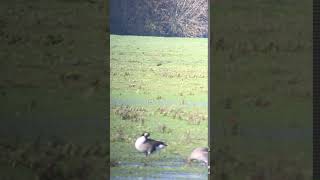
[199,154]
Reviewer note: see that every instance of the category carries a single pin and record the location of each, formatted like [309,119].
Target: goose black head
[146,134]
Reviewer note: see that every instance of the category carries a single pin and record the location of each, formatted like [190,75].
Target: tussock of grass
[193,117]
[55,158]
[262,74]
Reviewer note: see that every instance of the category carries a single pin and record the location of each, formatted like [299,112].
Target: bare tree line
[184,18]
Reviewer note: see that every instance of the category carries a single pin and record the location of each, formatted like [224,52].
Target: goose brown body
[146,145]
[199,154]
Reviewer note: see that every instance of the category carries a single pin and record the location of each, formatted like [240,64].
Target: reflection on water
[165,170]
[164,175]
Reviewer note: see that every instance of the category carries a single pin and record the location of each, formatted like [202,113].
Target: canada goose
[200,154]
[148,146]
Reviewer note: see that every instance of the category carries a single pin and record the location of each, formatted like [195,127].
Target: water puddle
[164,176]
[160,170]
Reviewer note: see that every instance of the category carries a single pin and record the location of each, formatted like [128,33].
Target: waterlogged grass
[161,173]
[262,76]
[47,159]
[53,83]
[158,85]
[182,136]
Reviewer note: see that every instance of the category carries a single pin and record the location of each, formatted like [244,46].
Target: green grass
[265,48]
[53,83]
[262,76]
[167,77]
[148,67]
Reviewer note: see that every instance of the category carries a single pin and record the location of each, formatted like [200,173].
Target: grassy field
[262,89]
[53,96]
[158,85]
[53,80]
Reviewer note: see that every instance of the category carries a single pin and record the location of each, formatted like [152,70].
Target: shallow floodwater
[159,170]
[170,168]
[164,175]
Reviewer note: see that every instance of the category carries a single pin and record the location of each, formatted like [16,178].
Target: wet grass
[52,84]
[262,110]
[160,173]
[156,84]
[53,159]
